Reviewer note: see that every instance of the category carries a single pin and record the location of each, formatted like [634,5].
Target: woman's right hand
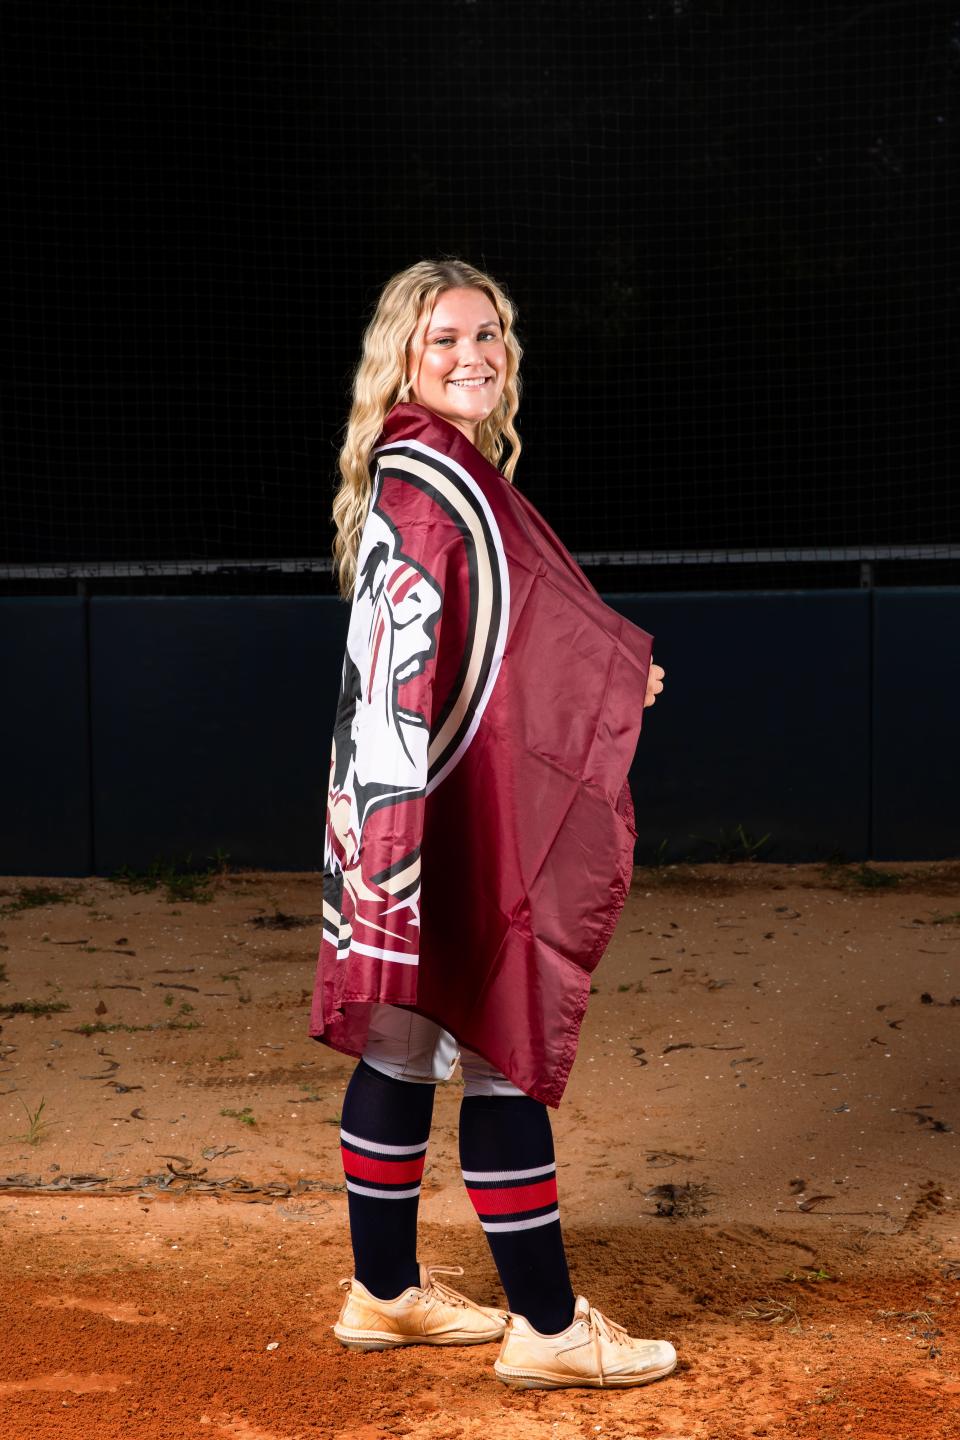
[654,683]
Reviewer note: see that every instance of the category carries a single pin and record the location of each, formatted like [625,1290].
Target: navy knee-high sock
[385,1126]
[507,1157]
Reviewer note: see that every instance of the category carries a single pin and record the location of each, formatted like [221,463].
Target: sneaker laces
[434,1289]
[441,1291]
[601,1324]
[602,1327]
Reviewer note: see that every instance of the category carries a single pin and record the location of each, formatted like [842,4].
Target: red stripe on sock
[387,1172]
[510,1200]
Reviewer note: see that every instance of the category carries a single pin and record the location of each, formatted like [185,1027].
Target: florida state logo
[430,555]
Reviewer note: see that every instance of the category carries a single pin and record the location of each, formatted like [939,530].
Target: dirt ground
[757,1156]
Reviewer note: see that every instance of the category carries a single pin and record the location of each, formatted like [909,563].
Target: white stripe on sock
[383,1194]
[384,1149]
[521,1224]
[509,1174]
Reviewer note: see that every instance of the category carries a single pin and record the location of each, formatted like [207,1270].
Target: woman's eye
[481,335]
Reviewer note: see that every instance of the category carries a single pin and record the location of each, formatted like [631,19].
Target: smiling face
[458,360]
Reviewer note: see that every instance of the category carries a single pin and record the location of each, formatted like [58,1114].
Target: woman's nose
[470,352]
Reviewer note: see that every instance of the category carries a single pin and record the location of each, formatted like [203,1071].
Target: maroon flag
[479,828]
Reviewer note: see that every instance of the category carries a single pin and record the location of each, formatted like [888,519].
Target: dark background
[726,226]
[728,230]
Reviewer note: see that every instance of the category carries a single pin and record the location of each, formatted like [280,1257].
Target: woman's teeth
[469,384]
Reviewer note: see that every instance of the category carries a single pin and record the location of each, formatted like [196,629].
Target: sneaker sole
[529,1380]
[370,1340]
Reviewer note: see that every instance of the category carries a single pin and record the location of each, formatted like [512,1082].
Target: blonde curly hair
[381,381]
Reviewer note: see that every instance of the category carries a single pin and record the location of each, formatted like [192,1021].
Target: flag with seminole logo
[479,827]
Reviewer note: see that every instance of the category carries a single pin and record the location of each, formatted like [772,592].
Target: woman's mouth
[472,384]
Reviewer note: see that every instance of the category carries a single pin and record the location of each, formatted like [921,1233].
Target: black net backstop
[727,228]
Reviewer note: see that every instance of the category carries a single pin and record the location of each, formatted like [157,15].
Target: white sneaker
[428,1314]
[591,1351]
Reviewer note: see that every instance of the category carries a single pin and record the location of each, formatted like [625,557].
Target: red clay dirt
[757,1157]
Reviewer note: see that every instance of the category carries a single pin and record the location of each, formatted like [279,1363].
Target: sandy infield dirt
[757,1156]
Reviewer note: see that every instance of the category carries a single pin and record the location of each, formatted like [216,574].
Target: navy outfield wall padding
[764,722]
[45,804]
[212,719]
[916,776]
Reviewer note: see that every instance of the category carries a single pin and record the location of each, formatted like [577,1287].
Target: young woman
[479,834]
